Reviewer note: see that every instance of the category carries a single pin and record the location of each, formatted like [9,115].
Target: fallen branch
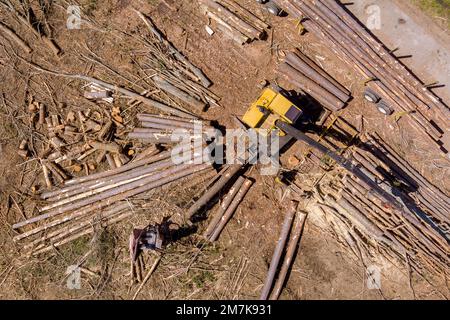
[9,32]
[149,274]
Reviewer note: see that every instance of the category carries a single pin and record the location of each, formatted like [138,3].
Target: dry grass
[438,9]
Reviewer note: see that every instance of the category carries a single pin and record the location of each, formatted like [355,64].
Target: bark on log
[279,250]
[231,209]
[123,192]
[131,165]
[45,170]
[62,220]
[299,64]
[232,19]
[228,30]
[109,147]
[249,16]
[358,51]
[404,74]
[106,184]
[171,127]
[111,162]
[289,257]
[64,231]
[223,206]
[154,138]
[198,73]
[174,121]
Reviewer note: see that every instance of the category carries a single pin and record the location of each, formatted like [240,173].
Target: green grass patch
[436,8]
[203,278]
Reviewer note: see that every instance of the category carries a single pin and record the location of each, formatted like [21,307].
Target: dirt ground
[235,267]
[424,44]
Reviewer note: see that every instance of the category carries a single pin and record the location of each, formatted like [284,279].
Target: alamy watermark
[73,281]
[373,274]
[74,17]
[374,17]
[237,146]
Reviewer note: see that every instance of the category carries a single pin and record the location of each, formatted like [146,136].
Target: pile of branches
[385,74]
[234,20]
[432,199]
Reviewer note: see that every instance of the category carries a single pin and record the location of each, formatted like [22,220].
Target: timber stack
[302,72]
[157,129]
[417,235]
[383,72]
[102,198]
[234,21]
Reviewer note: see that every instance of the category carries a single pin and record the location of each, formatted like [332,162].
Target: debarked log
[231,209]
[323,96]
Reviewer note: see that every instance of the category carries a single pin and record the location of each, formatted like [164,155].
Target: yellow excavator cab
[270,107]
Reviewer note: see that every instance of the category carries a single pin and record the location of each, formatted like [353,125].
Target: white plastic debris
[96,91]
[209,30]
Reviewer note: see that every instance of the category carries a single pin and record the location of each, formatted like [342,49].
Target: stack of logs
[385,74]
[220,182]
[73,210]
[428,196]
[233,20]
[419,234]
[304,73]
[159,129]
[227,208]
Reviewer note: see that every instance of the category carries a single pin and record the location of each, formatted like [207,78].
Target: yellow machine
[270,107]
[272,111]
